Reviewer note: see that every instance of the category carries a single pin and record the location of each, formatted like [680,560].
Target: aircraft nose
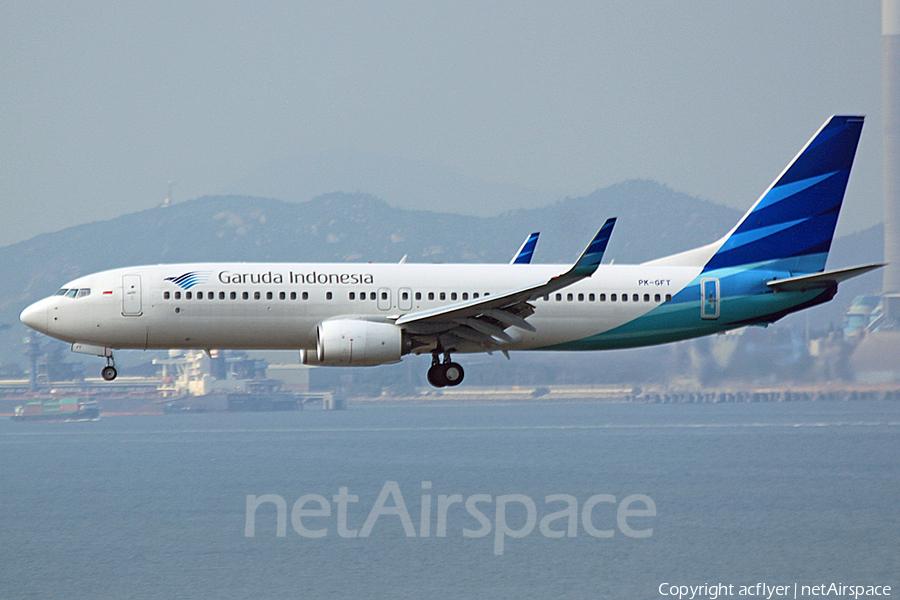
[35,316]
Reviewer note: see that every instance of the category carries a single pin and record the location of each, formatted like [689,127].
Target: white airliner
[770,264]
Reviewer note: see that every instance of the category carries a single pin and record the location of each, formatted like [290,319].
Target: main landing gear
[109,371]
[444,373]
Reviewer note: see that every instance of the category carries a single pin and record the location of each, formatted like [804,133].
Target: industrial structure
[890,68]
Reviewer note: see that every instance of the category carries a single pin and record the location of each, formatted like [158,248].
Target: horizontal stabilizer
[819,280]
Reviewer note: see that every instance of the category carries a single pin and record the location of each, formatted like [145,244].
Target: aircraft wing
[483,320]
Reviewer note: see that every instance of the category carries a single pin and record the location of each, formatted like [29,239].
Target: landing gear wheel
[452,373]
[446,374]
[436,376]
[109,373]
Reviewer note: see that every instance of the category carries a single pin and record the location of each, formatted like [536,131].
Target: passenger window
[293,295]
[188,296]
[256,295]
[668,297]
[581,297]
[475,295]
[384,295]
[305,295]
[646,297]
[590,298]
[624,297]
[405,295]
[443,295]
[268,295]
[569,297]
[233,295]
[453,295]
[418,295]
[178,295]
[602,297]
[165,295]
[431,295]
[221,295]
[465,296]
[281,296]
[635,297]
[559,297]
[656,298]
[328,295]
[245,295]
[612,297]
[352,296]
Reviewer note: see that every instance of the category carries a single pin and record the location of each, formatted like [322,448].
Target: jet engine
[354,342]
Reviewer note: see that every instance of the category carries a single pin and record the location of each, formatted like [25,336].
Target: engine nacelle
[354,342]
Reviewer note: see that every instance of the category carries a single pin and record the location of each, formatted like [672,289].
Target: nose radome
[35,316]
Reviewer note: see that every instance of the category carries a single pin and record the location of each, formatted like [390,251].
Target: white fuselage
[279,305]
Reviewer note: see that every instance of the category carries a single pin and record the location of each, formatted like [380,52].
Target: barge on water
[68,409]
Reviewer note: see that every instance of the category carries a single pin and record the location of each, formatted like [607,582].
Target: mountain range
[653,220]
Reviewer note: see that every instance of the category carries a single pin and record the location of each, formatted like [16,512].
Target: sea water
[187,506]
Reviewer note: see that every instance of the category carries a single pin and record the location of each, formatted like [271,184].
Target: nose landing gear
[446,373]
[109,371]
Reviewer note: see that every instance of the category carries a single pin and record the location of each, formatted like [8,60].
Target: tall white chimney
[890,71]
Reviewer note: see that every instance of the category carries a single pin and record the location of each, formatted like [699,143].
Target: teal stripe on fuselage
[676,321]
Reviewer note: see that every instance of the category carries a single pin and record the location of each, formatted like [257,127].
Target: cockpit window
[74,292]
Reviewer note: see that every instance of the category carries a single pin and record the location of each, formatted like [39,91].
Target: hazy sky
[103,103]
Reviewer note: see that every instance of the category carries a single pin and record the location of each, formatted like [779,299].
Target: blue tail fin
[791,226]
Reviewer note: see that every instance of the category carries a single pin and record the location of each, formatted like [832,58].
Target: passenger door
[709,301]
[131,296]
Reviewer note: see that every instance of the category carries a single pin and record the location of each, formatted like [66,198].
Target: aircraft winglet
[526,250]
[593,254]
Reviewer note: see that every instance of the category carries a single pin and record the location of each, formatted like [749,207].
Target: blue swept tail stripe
[797,215]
